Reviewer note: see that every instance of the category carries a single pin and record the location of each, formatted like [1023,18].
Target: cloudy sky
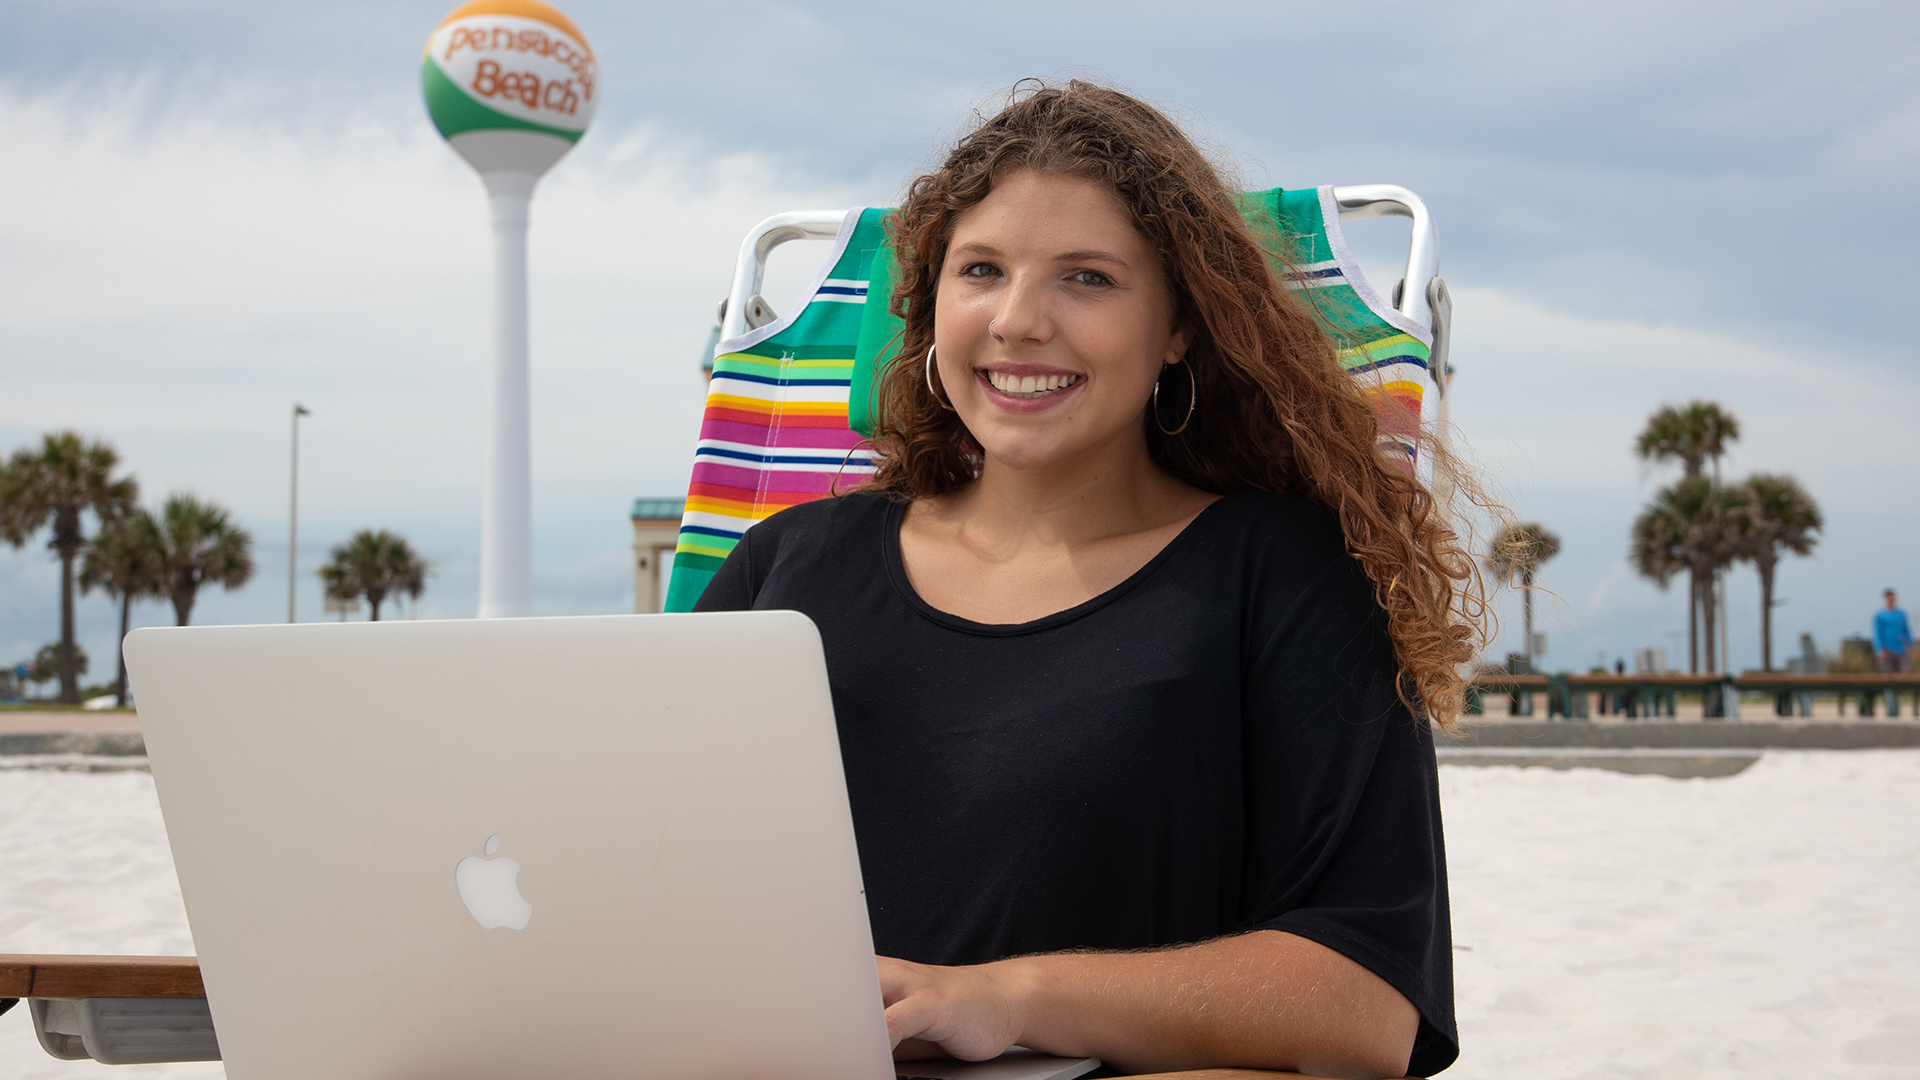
[215,209]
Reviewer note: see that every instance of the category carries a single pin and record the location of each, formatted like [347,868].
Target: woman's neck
[1072,503]
[1019,544]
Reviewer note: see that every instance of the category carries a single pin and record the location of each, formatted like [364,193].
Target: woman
[1135,636]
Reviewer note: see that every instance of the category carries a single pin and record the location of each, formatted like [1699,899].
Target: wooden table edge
[49,976]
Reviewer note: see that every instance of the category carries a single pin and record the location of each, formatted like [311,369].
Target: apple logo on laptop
[490,889]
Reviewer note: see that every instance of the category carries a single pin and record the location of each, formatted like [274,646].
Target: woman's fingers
[912,1018]
[958,1011]
[917,1050]
[908,991]
[897,977]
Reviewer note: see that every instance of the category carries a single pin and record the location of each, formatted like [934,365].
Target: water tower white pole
[506,510]
[511,87]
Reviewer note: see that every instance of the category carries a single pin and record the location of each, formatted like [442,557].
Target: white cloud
[175,286]
[1551,403]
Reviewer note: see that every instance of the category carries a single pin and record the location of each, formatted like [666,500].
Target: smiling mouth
[1030,386]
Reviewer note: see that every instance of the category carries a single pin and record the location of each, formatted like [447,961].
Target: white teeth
[1030,385]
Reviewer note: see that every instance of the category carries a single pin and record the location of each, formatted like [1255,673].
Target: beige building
[656,531]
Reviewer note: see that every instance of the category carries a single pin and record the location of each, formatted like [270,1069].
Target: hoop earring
[1193,400]
[936,393]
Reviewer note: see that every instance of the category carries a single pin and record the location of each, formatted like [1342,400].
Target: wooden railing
[1655,695]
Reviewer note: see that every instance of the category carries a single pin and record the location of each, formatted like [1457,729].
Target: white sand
[1630,926]
[1767,924]
[84,868]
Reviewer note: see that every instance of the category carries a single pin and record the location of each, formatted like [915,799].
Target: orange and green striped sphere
[509,65]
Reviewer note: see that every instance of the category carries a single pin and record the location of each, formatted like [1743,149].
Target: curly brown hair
[1275,411]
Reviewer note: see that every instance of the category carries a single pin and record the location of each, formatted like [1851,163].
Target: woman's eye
[979,270]
[1091,277]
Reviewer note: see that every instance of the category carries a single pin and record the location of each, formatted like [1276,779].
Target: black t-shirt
[1212,746]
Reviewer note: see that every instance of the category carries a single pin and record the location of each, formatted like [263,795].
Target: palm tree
[128,564]
[1779,517]
[374,563]
[200,545]
[1691,526]
[58,484]
[1693,434]
[1518,551]
[46,663]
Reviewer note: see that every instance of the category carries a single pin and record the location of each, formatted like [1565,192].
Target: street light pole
[293,513]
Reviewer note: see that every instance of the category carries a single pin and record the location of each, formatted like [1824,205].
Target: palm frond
[376,564]
[1520,549]
[201,545]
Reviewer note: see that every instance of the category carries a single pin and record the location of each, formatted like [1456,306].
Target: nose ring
[990,332]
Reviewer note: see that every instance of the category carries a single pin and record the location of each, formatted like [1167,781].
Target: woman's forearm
[1263,1000]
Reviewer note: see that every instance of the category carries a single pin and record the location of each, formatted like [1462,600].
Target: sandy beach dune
[1764,925]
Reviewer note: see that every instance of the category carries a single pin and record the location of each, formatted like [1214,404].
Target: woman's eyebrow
[983,249]
[976,247]
[1093,255]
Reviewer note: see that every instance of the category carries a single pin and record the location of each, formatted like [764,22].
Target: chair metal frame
[1429,304]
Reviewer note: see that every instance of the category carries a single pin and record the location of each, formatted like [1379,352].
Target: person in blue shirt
[1892,640]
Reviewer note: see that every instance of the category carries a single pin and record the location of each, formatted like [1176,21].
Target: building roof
[645,509]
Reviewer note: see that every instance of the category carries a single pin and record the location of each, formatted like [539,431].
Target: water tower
[511,84]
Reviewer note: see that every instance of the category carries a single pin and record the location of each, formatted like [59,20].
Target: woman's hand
[1263,1000]
[971,1013]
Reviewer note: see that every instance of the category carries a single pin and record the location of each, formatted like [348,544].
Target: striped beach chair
[776,432]
[1389,345]
[791,397]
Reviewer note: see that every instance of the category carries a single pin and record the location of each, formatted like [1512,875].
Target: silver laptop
[614,846]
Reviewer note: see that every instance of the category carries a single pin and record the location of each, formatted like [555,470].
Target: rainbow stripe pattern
[775,431]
